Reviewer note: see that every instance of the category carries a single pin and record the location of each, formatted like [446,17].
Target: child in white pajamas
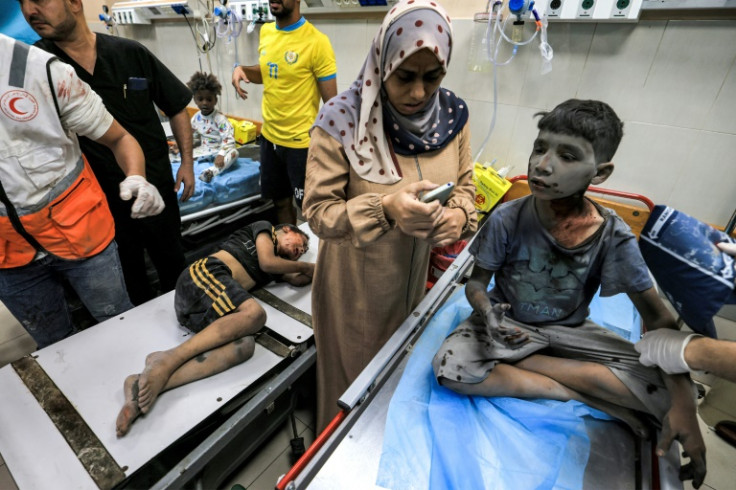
[211,125]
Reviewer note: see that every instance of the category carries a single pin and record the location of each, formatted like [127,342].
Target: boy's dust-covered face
[291,245]
[560,165]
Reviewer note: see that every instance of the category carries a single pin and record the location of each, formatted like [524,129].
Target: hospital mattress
[38,438]
[241,180]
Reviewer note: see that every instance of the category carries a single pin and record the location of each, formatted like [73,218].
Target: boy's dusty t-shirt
[242,246]
[546,283]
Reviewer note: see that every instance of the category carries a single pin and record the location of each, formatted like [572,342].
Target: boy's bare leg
[246,320]
[202,366]
[212,362]
[508,380]
[588,378]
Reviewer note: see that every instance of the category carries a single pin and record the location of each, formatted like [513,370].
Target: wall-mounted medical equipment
[345,6]
[105,16]
[502,27]
[590,10]
[253,11]
[144,11]
[228,20]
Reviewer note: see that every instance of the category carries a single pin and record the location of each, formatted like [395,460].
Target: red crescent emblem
[19,105]
[11,104]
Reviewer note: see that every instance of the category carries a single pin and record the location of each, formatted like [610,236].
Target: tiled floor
[272,460]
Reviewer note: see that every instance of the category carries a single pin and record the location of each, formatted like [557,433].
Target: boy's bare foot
[159,366]
[130,410]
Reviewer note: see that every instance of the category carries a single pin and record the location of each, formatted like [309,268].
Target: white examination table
[79,382]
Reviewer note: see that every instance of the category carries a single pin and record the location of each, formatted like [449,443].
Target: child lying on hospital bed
[212,126]
[528,337]
[212,300]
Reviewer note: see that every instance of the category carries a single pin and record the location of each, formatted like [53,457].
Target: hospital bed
[360,447]
[59,405]
[229,197]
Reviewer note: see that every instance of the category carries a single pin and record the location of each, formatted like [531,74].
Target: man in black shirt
[212,300]
[129,79]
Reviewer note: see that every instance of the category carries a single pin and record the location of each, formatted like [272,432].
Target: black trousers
[159,236]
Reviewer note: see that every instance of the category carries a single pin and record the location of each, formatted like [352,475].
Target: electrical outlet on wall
[554,8]
[241,8]
[585,9]
[620,8]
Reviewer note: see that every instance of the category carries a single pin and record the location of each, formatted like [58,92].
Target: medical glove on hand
[148,201]
[665,348]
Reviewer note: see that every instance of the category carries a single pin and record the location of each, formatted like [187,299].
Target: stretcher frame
[347,452]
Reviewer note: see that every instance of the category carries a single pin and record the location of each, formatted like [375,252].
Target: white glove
[729,248]
[665,348]
[148,201]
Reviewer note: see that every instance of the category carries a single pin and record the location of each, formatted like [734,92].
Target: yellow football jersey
[292,61]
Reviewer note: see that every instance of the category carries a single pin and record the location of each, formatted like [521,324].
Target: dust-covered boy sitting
[550,251]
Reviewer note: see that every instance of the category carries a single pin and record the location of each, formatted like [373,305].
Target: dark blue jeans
[34,293]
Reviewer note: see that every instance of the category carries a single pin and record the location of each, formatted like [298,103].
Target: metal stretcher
[59,405]
[347,453]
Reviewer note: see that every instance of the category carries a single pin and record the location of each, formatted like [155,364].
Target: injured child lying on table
[212,300]
[59,404]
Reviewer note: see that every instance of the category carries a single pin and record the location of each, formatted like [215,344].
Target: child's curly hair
[204,81]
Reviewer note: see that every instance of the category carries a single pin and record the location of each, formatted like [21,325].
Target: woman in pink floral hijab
[374,150]
[358,117]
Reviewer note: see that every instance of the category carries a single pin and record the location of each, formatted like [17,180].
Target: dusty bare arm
[680,423]
[475,289]
[298,278]
[271,263]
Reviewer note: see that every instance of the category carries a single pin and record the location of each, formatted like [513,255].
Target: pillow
[696,277]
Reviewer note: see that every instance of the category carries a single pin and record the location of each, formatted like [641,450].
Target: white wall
[672,82]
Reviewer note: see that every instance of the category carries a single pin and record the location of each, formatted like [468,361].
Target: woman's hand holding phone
[412,216]
[440,193]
